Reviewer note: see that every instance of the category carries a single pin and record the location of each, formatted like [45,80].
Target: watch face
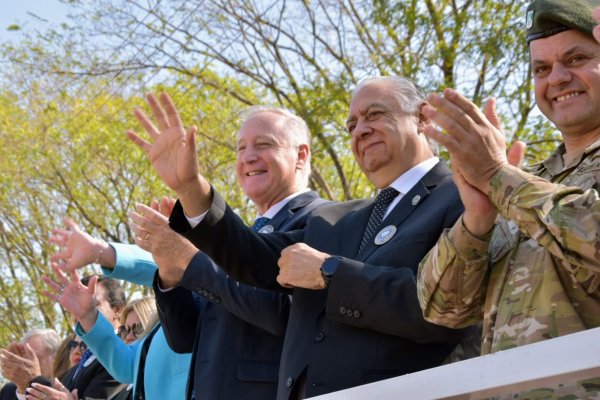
[330,265]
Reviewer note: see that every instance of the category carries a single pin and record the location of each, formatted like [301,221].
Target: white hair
[49,337]
[293,127]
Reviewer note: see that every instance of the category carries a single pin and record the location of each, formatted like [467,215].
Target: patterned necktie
[259,223]
[384,199]
[84,357]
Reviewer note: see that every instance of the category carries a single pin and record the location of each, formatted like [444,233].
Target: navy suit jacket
[367,325]
[8,391]
[92,382]
[235,331]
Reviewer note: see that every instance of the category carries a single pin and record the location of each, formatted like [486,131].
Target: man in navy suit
[235,331]
[355,317]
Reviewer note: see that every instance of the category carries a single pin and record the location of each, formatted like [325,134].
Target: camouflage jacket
[537,275]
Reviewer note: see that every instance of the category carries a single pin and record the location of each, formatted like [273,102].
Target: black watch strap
[329,267]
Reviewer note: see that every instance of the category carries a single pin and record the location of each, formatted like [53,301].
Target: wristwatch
[329,267]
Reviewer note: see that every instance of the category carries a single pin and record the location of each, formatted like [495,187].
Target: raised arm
[78,249]
[74,296]
[94,329]
[172,152]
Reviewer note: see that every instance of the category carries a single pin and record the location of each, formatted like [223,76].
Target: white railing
[564,359]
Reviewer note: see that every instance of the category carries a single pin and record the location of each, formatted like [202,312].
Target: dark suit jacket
[92,382]
[367,325]
[235,331]
[8,391]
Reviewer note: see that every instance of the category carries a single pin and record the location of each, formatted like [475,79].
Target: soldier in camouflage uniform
[533,273]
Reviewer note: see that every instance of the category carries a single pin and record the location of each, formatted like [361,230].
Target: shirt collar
[410,178]
[275,208]
[555,163]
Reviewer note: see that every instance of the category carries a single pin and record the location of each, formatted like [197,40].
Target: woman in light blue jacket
[165,372]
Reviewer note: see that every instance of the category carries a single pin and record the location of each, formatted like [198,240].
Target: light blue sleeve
[133,264]
[119,359]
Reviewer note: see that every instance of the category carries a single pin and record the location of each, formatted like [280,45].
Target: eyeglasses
[73,344]
[136,329]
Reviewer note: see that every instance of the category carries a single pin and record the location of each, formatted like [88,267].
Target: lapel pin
[266,229]
[385,235]
[415,200]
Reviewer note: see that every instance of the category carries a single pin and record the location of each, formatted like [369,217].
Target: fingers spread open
[191,138]
[52,285]
[172,114]
[158,111]
[58,235]
[139,142]
[92,284]
[146,123]
[61,255]
[70,223]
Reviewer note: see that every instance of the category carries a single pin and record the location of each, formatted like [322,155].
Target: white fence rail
[564,359]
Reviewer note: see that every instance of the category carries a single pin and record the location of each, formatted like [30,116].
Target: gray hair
[410,96]
[293,127]
[49,337]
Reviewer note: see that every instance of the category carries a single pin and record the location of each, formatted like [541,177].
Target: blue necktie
[259,223]
[84,357]
[384,199]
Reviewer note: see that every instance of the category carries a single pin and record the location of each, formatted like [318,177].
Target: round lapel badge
[266,229]
[385,235]
[415,200]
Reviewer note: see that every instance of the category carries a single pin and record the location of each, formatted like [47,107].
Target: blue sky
[51,12]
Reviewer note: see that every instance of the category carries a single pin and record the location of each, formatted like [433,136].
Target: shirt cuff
[164,290]
[194,221]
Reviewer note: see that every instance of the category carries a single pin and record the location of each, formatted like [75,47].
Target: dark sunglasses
[74,344]
[137,329]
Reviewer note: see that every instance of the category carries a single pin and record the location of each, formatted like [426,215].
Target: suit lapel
[411,200]
[290,208]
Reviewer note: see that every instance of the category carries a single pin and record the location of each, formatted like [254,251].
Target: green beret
[549,17]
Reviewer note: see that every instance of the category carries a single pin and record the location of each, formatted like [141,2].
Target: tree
[68,155]
[307,55]
[66,96]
